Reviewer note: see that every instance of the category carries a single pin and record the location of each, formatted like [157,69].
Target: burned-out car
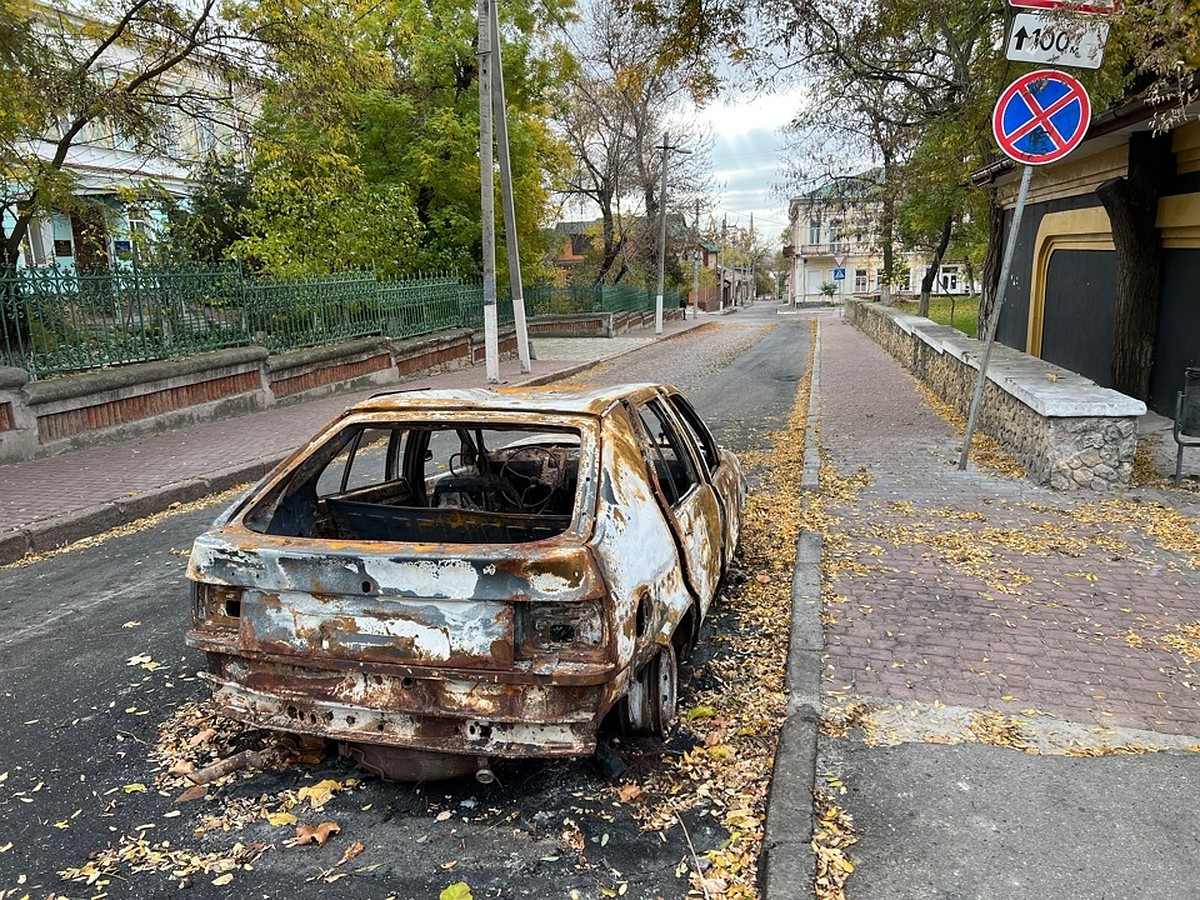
[444,577]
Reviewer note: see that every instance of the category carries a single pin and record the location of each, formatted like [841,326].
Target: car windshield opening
[459,482]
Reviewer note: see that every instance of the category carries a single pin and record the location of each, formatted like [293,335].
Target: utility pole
[665,147]
[487,201]
[696,267]
[723,267]
[662,240]
[753,283]
[506,195]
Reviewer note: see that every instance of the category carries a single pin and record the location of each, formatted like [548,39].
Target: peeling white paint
[444,579]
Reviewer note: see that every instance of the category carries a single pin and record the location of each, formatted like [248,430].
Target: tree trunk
[612,242]
[939,254]
[14,324]
[889,253]
[1132,206]
[991,264]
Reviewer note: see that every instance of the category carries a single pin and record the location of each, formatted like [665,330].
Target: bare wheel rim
[666,688]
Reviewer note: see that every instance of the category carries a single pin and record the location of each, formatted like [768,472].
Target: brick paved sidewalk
[47,502]
[979,591]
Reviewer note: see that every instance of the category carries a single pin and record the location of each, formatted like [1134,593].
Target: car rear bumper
[475,736]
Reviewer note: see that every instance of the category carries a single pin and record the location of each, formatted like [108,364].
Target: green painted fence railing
[54,321]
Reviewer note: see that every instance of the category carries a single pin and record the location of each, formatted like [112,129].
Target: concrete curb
[788,861]
[811,477]
[50,534]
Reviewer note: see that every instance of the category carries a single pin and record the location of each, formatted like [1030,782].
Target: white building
[835,251]
[119,178]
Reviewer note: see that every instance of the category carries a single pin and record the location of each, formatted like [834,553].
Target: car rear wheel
[650,704]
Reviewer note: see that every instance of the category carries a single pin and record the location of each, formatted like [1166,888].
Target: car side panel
[635,547]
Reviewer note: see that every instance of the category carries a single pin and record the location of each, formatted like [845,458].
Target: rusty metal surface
[488,649]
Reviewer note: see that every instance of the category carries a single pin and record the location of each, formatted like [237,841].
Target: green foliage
[371,150]
[60,82]
[212,220]
[961,312]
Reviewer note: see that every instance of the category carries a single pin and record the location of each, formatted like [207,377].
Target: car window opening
[436,483]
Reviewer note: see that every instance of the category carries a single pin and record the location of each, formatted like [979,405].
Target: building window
[168,134]
[836,242]
[814,231]
[860,281]
[949,279]
[903,280]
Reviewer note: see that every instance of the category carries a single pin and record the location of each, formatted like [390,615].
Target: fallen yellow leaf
[318,834]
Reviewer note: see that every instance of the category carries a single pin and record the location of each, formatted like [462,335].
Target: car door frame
[700,550]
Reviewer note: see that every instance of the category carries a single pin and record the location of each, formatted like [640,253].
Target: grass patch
[957,312]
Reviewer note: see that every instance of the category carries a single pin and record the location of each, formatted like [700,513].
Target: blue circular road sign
[1041,117]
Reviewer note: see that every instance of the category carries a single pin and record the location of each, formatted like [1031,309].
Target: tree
[1132,206]
[370,154]
[206,226]
[65,74]
[908,80]
[619,102]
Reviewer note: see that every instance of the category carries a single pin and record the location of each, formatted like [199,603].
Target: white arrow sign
[1057,41]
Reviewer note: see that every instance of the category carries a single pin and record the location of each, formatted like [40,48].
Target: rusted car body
[443,577]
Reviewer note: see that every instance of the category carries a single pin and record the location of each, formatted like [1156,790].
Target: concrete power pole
[491,346]
[662,234]
[662,240]
[696,267]
[506,195]
[722,266]
[753,283]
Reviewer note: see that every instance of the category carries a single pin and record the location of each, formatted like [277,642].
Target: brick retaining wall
[45,417]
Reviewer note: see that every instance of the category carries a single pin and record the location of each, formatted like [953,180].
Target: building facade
[1061,301]
[835,252]
[117,181]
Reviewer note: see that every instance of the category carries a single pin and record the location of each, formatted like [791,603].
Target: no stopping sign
[1041,117]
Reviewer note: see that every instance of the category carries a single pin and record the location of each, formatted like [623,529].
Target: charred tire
[650,704]
[687,635]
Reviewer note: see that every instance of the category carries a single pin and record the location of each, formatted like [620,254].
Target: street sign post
[839,274]
[1041,117]
[1054,40]
[1091,7]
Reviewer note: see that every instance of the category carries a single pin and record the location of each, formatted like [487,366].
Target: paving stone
[1033,603]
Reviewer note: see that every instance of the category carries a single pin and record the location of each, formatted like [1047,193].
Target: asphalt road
[94,676]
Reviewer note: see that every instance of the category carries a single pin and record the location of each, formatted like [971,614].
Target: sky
[748,157]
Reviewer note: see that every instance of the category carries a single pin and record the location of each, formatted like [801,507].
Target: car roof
[537,399]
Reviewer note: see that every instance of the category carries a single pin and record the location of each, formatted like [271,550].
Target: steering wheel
[544,459]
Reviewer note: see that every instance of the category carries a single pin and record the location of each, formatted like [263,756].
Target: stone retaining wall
[1064,429]
[600,324]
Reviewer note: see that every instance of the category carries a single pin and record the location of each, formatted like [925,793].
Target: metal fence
[54,321]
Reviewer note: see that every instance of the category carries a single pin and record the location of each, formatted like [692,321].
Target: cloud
[748,156]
